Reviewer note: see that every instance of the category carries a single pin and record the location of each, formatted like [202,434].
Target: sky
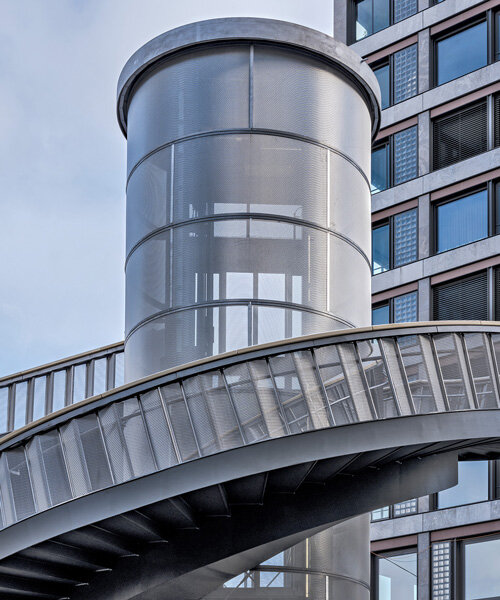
[62,157]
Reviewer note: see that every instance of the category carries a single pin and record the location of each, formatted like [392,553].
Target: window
[460,134]
[394,242]
[465,298]
[461,221]
[371,16]
[396,510]
[396,575]
[481,572]
[400,309]
[394,160]
[461,52]
[397,76]
[473,485]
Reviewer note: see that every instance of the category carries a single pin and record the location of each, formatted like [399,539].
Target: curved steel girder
[254,533]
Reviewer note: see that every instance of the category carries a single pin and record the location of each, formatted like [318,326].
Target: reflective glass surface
[497,35]
[381,315]
[462,53]
[482,575]
[384,80]
[371,16]
[380,169]
[462,221]
[380,249]
[397,577]
[472,485]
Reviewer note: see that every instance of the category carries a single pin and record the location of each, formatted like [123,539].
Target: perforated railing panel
[247,397]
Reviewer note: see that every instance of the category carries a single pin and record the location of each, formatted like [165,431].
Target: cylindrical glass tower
[248,210]
[247,195]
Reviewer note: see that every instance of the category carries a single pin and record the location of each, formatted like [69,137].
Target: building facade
[436,253]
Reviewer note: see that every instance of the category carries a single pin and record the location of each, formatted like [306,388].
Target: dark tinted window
[381,314]
[460,135]
[462,221]
[381,249]
[380,168]
[384,80]
[465,298]
[461,53]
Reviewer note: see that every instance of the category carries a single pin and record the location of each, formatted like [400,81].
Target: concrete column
[424,217]
[424,143]
[424,300]
[423,566]
[424,50]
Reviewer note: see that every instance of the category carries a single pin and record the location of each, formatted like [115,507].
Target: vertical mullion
[233,406]
[322,386]
[190,419]
[49,393]
[278,399]
[169,426]
[89,378]
[11,406]
[110,371]
[30,391]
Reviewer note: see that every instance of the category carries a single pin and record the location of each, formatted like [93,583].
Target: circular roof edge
[247,29]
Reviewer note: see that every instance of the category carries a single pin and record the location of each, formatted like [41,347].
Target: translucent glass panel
[405,237]
[404,9]
[59,390]
[21,391]
[482,576]
[441,571]
[462,221]
[473,485]
[371,16]
[381,249]
[397,576]
[405,70]
[461,53]
[79,382]
[39,393]
[295,93]
[194,92]
[4,409]
[100,376]
[405,155]
[380,513]
[405,508]
[405,308]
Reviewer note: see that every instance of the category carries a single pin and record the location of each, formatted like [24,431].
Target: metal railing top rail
[234,357]
[62,363]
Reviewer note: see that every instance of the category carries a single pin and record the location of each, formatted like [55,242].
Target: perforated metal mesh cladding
[245,259]
[460,135]
[286,393]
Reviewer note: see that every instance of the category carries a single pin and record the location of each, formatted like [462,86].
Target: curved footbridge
[169,486]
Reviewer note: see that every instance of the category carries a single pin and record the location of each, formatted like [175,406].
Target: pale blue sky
[62,174]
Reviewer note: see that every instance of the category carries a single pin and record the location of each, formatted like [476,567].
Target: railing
[245,397]
[32,394]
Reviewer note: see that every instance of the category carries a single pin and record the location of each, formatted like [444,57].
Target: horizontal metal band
[252,131]
[238,302]
[304,571]
[248,216]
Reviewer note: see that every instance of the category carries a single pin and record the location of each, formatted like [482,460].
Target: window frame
[493,481]
[376,557]
[392,241]
[380,64]
[390,171]
[390,302]
[351,14]
[454,198]
[460,561]
[486,17]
